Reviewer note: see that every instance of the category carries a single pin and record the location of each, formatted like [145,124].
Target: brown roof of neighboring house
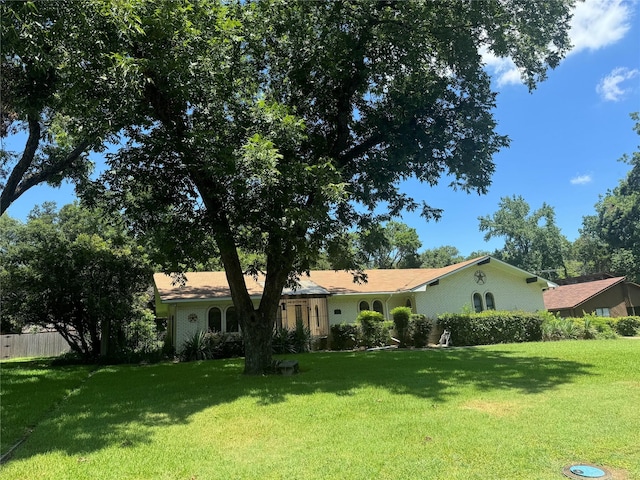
[207,285]
[570,296]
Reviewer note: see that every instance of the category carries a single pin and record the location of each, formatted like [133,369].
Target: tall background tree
[277,127]
[533,241]
[390,245]
[441,257]
[610,239]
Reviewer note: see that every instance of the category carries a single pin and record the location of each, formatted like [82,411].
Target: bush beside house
[626,326]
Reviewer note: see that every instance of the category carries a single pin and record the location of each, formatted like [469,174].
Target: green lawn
[501,412]
[30,389]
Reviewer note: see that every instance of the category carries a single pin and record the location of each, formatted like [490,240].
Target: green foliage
[77,271]
[419,330]
[588,327]
[373,330]
[441,257]
[196,347]
[344,336]
[211,345]
[401,317]
[533,241]
[392,245]
[610,239]
[627,326]
[491,327]
[296,340]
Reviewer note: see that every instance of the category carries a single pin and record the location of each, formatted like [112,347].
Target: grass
[30,388]
[500,412]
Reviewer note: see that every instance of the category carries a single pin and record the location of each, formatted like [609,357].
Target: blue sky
[566,136]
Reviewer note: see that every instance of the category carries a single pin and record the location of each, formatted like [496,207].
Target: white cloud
[611,87]
[581,180]
[599,23]
[595,24]
[503,69]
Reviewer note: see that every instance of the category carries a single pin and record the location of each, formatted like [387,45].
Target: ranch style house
[202,302]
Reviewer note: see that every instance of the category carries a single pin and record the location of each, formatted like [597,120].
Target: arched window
[489,301]
[215,319]
[364,305]
[408,303]
[232,320]
[377,306]
[477,302]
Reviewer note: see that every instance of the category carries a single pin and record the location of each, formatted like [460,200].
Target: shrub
[492,327]
[587,327]
[343,336]
[301,338]
[373,332]
[401,316]
[419,330]
[196,347]
[297,340]
[212,345]
[281,341]
[627,326]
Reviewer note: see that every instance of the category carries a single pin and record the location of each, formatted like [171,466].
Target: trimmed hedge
[373,331]
[401,318]
[492,327]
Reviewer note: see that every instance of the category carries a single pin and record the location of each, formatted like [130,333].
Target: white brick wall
[455,292]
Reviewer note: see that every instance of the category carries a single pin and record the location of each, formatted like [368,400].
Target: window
[298,315]
[317,316]
[215,319]
[602,312]
[408,303]
[477,302]
[377,306]
[489,301]
[337,311]
[363,306]
[232,320]
[632,311]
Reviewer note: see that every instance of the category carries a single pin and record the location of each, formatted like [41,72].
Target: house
[607,297]
[324,298]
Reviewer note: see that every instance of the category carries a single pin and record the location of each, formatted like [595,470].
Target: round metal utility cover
[582,471]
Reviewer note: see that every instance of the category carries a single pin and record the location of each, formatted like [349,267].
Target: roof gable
[571,296]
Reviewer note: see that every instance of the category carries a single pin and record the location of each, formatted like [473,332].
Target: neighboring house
[203,300]
[607,297]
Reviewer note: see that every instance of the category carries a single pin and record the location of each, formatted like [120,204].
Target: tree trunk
[257,334]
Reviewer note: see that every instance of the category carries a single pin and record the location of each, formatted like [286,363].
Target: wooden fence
[47,344]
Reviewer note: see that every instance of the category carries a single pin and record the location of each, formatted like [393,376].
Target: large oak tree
[278,126]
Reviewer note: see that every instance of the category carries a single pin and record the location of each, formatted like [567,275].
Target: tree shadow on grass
[121,406]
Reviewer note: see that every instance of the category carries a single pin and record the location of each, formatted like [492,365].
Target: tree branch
[18,184]
[11,191]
